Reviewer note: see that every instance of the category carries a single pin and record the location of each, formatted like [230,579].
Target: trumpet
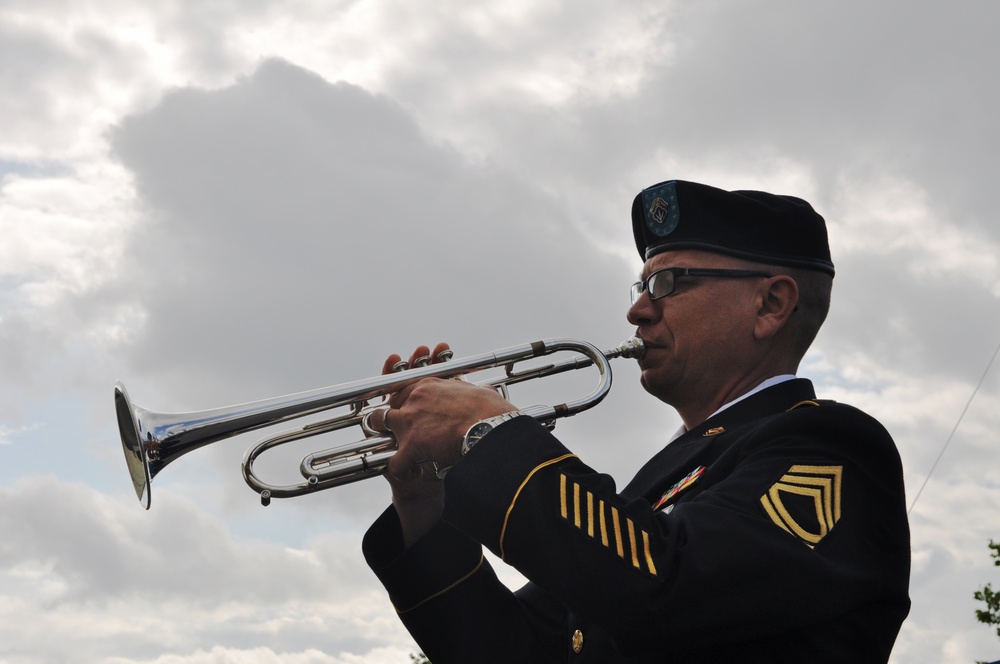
[152,440]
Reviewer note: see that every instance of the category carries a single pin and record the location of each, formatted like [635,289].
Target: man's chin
[648,382]
[657,388]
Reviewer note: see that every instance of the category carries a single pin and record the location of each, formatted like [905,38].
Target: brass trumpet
[152,440]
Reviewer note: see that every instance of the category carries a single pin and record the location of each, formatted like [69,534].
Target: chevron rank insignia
[806,501]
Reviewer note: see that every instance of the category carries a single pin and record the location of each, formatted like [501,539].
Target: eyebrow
[643,274]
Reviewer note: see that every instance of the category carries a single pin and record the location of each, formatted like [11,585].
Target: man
[771,529]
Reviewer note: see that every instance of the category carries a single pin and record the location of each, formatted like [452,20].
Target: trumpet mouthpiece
[632,348]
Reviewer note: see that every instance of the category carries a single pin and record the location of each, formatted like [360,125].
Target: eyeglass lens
[660,284]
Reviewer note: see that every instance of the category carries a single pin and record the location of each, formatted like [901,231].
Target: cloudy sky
[229,200]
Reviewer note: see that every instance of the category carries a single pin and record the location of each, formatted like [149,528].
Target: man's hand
[429,420]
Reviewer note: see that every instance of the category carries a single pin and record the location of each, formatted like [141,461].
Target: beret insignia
[806,501]
[661,209]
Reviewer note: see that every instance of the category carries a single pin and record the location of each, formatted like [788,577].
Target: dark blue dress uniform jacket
[775,531]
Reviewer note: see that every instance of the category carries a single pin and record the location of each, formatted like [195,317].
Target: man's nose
[642,311]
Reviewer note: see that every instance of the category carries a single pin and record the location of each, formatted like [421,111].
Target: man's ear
[779,298]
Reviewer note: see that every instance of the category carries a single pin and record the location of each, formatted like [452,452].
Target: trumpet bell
[128,427]
[152,440]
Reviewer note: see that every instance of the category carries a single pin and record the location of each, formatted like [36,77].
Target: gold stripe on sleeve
[604,525]
[444,590]
[510,508]
[618,531]
[631,540]
[562,496]
[576,504]
[649,557]
[590,514]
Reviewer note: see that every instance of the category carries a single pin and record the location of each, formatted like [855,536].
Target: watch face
[478,430]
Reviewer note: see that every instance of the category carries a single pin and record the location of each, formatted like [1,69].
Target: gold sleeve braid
[443,590]
[605,524]
[510,508]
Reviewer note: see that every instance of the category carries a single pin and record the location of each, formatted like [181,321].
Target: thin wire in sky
[952,434]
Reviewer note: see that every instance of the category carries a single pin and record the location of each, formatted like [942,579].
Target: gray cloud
[287,213]
[176,576]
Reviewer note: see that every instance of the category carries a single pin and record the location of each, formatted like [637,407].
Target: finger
[386,425]
[442,353]
[373,423]
[421,357]
[398,398]
[398,471]
[390,363]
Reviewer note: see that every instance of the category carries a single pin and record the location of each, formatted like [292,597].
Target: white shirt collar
[770,382]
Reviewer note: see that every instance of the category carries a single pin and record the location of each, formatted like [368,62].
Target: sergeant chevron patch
[806,501]
[605,524]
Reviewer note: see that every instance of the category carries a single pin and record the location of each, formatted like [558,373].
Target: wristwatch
[483,427]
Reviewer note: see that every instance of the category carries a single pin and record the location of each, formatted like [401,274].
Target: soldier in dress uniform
[771,528]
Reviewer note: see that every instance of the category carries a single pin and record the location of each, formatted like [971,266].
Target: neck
[695,410]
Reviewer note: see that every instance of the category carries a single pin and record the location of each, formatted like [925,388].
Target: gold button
[577,641]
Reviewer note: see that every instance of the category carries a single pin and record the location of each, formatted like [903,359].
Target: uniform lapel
[702,444]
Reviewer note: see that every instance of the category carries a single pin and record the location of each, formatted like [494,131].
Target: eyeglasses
[663,282]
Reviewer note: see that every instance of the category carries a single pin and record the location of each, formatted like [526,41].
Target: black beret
[753,225]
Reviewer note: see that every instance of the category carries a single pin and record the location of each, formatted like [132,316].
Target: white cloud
[63,235]
[518,52]
[265,655]
[7,434]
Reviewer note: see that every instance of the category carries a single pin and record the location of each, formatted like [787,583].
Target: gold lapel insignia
[806,501]
[714,431]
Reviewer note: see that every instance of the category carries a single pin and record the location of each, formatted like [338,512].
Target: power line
[952,434]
